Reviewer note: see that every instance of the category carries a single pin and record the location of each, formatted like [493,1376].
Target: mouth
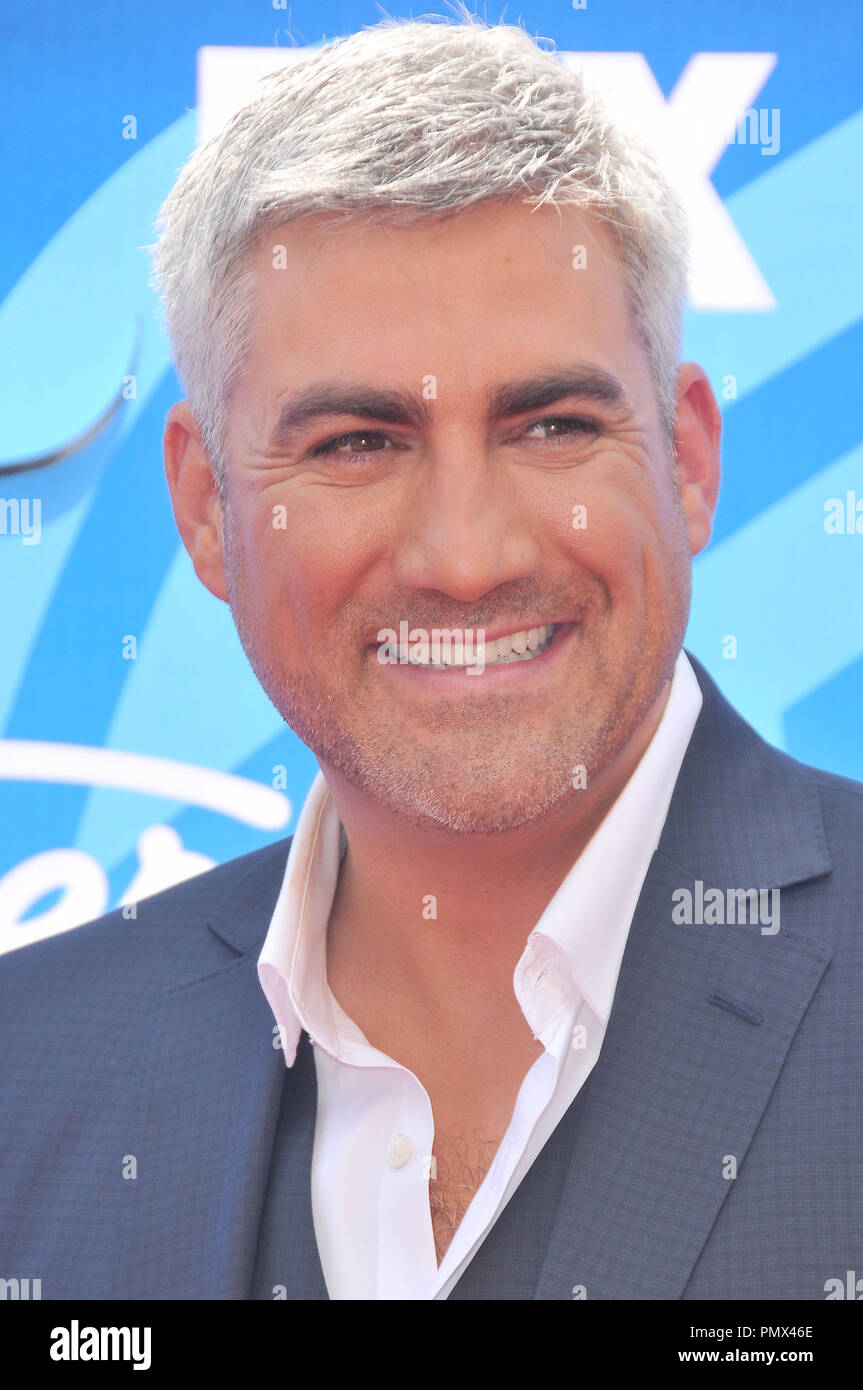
[519,661]
[524,645]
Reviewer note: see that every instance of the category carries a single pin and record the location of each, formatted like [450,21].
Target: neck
[432,906]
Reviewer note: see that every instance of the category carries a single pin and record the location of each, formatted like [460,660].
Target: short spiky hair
[405,120]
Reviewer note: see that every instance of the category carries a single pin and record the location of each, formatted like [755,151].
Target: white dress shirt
[374,1131]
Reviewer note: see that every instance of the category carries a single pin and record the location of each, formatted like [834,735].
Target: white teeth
[519,646]
[515,646]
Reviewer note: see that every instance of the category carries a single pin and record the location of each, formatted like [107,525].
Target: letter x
[689,133]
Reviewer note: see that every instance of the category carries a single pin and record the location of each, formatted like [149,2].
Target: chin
[471,810]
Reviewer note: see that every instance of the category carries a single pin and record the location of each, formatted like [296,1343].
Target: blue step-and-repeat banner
[136,747]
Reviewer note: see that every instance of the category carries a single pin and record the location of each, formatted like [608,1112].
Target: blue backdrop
[136,745]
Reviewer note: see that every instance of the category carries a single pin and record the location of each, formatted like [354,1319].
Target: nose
[465,527]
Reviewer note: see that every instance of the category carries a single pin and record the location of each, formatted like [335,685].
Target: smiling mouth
[524,645]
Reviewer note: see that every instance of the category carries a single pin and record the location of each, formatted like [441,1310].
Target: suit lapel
[702,1020]
[211,1094]
[677,1092]
[288,1265]
[208,1112]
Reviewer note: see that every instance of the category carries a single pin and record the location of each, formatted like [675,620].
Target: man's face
[457,507]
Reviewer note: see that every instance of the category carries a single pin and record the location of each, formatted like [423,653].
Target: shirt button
[399,1151]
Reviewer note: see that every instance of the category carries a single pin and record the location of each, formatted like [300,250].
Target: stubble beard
[495,775]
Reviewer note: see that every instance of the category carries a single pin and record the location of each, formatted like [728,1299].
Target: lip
[502,630]
[458,680]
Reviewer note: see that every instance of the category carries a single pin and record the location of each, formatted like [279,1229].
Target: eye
[563,426]
[331,447]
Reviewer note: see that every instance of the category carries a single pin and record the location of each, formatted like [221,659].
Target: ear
[698,433]
[195,497]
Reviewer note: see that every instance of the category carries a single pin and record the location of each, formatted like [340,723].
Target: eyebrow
[397,407]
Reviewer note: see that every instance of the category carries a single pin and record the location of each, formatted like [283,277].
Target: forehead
[440,264]
[477,297]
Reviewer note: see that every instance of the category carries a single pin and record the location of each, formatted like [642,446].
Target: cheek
[625,536]
[307,553]
[604,527]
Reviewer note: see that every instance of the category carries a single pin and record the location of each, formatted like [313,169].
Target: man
[519,1015]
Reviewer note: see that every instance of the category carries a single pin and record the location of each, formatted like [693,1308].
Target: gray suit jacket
[154,1145]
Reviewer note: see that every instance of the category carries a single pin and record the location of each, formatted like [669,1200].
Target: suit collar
[676,1096]
[743,812]
[238,906]
[203,1141]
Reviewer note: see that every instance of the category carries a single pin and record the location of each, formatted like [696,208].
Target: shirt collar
[586,922]
[292,964]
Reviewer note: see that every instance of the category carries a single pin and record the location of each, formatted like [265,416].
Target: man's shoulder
[834,786]
[841,800]
[725,726]
[156,939]
[746,812]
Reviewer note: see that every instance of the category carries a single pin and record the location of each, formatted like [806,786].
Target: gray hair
[404,120]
